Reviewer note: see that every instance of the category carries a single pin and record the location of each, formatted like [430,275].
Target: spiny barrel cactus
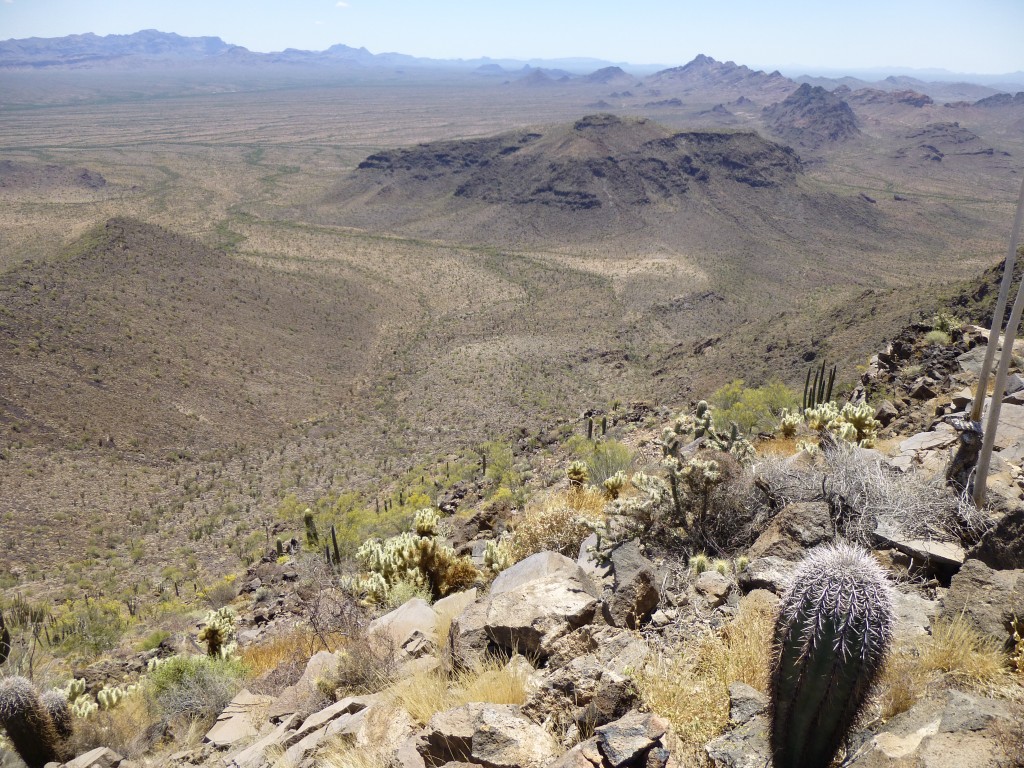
[56,703]
[28,724]
[833,630]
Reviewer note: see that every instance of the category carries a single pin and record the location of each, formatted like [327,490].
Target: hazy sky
[982,36]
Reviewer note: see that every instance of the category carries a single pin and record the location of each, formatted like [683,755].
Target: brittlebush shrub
[558,523]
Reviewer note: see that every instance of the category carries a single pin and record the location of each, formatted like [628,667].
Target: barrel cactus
[29,724]
[833,630]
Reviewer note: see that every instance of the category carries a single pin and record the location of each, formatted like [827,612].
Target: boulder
[101,757]
[636,740]
[961,731]
[987,599]
[745,703]
[771,573]
[582,693]
[634,588]
[495,735]
[304,697]
[914,614]
[714,587]
[240,720]
[745,746]
[794,530]
[449,607]
[1002,546]
[409,628]
[530,606]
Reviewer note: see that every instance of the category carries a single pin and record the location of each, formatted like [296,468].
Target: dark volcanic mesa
[607,179]
[38,176]
[939,142]
[601,161]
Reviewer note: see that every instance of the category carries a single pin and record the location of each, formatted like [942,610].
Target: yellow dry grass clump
[559,523]
[490,682]
[691,690]
[953,655]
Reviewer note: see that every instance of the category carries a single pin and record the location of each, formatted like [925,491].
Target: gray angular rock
[794,530]
[745,746]
[987,599]
[771,573]
[529,607]
[238,722]
[495,735]
[745,703]
[411,624]
[714,587]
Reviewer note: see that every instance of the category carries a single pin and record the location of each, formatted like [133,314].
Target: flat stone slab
[238,721]
[942,436]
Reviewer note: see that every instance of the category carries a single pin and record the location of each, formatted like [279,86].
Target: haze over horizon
[792,36]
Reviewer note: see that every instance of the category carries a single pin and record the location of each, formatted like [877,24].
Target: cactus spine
[833,630]
[29,724]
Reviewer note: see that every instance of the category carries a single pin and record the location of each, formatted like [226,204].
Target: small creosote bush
[832,633]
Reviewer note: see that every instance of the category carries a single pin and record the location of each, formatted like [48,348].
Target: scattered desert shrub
[366,666]
[937,338]
[194,687]
[866,495]
[691,689]
[756,409]
[153,639]
[946,323]
[220,593]
[606,458]
[558,523]
[278,662]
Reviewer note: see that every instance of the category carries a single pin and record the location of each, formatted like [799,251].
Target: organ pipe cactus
[833,630]
[29,724]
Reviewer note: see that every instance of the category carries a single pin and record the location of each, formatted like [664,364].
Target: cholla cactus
[741,563]
[946,322]
[701,425]
[418,558]
[74,689]
[821,416]
[723,567]
[425,522]
[700,476]
[789,423]
[29,724]
[613,485]
[862,419]
[84,707]
[111,697]
[218,632]
[578,474]
[854,423]
[833,630]
[497,555]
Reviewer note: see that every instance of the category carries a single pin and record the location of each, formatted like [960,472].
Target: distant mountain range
[152,49]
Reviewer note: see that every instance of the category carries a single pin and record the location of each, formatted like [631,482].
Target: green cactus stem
[334,543]
[833,630]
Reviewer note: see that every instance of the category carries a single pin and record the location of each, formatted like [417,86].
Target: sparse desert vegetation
[381,411]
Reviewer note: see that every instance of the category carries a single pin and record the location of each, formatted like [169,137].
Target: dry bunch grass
[559,523]
[373,749]
[125,729]
[871,495]
[491,682]
[691,690]
[954,655]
